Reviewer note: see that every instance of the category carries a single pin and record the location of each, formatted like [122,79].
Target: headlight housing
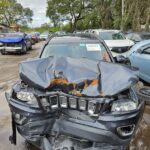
[133,95]
[129,103]
[28,98]
[124,105]
[1,44]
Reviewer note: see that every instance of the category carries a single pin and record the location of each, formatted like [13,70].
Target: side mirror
[139,51]
[121,59]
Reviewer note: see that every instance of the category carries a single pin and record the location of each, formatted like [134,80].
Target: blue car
[139,56]
[15,43]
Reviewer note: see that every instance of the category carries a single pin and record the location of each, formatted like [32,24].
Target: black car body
[72,100]
[138,36]
[15,43]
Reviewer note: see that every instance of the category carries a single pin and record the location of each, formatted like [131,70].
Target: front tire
[24,49]
[30,47]
[3,52]
[144,94]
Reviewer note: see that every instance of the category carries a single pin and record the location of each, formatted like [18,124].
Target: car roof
[74,38]
[140,33]
[105,30]
[140,44]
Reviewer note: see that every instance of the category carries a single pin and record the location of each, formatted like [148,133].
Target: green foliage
[12,13]
[83,14]
[68,10]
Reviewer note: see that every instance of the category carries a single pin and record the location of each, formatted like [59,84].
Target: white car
[115,40]
[44,35]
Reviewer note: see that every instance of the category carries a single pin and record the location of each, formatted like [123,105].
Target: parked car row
[34,37]
[17,42]
[133,46]
[139,36]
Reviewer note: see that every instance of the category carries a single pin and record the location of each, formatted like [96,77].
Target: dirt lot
[9,74]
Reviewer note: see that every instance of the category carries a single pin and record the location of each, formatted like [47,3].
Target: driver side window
[146,51]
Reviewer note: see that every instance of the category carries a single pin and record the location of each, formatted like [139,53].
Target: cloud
[39,11]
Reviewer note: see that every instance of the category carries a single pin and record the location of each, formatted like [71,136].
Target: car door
[27,41]
[141,59]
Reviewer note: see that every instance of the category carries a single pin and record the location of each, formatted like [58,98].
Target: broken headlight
[123,105]
[1,44]
[126,104]
[27,97]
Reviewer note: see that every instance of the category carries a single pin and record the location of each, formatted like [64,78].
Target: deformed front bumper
[11,49]
[34,125]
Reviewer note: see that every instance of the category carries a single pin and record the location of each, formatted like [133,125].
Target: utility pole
[122,14]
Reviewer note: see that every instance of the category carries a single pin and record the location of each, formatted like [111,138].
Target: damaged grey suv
[75,97]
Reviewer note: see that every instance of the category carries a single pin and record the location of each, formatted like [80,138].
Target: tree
[105,13]
[136,13]
[12,12]
[68,10]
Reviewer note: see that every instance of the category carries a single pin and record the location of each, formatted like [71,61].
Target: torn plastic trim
[27,110]
[95,102]
[103,103]
[88,130]
[13,137]
[123,120]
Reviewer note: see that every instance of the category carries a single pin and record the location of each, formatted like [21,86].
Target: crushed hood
[77,76]
[11,38]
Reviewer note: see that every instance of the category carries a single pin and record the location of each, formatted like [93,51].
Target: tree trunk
[147,21]
[74,26]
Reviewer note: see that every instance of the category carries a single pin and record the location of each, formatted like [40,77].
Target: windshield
[112,35]
[146,36]
[95,51]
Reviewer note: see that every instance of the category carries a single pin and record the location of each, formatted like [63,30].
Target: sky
[39,9]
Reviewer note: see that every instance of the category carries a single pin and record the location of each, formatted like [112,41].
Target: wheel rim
[24,49]
[3,51]
[145,91]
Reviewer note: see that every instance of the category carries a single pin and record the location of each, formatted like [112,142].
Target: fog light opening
[82,104]
[19,119]
[54,101]
[63,102]
[126,130]
[73,103]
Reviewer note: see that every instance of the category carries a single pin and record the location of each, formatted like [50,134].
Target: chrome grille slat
[61,101]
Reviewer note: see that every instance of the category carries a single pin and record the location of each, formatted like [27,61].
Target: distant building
[4,28]
[15,27]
